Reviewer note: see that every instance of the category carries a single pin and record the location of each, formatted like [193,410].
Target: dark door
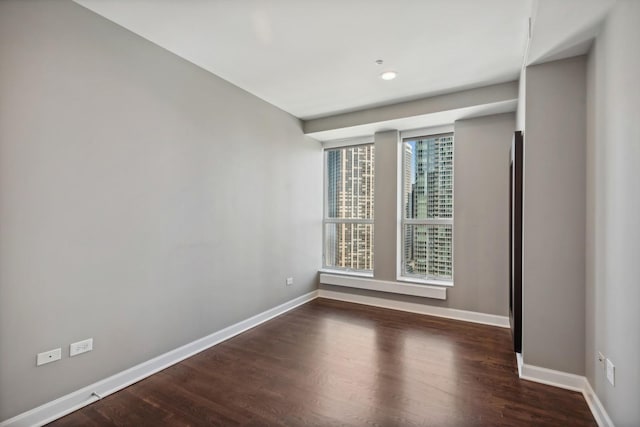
[515,240]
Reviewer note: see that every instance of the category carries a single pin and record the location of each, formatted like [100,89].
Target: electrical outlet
[289,281]
[48,356]
[80,347]
[601,361]
[611,373]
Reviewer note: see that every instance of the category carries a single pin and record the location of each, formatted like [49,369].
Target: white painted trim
[425,291]
[554,378]
[400,147]
[412,307]
[597,409]
[569,382]
[519,361]
[75,400]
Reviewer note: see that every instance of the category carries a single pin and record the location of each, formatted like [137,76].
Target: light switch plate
[80,347]
[611,373]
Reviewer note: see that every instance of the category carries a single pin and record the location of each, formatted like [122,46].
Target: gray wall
[554,217]
[613,204]
[481,203]
[522,96]
[143,201]
[386,205]
[481,209]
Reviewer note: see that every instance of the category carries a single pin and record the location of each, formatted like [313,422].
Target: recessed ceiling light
[388,75]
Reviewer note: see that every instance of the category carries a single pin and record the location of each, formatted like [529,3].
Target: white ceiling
[564,28]
[317,58]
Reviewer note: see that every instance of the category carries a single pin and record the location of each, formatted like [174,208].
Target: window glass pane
[349,246]
[428,177]
[350,175]
[427,251]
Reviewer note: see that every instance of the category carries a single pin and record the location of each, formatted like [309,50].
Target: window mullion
[428,221]
[347,221]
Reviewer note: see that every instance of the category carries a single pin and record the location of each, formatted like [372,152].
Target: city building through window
[427,208]
[349,201]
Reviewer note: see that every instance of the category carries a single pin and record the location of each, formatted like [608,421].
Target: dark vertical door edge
[515,240]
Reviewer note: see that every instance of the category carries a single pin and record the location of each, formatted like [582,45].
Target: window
[427,208]
[348,210]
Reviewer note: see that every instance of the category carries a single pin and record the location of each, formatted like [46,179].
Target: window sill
[433,282]
[346,273]
[368,283]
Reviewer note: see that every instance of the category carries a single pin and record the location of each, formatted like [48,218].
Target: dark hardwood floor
[334,363]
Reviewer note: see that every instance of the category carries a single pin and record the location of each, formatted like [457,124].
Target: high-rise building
[432,198]
[350,196]
[427,181]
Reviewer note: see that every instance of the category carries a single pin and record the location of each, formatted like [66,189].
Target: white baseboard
[449,313]
[597,409]
[519,361]
[569,382]
[66,404]
[554,378]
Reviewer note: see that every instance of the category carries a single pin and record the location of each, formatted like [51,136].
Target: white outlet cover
[289,281]
[80,347]
[611,373]
[48,356]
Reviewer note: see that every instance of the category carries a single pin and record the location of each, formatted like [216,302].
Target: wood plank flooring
[330,363]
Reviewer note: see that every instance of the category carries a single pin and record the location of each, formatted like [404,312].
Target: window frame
[415,135]
[338,145]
